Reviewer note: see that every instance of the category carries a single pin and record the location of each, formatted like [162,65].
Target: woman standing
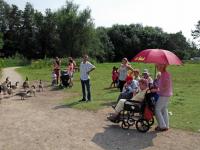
[56,68]
[164,92]
[70,71]
[123,71]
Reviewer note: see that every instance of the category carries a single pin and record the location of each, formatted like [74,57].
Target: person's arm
[130,68]
[134,88]
[165,85]
[74,63]
[59,66]
[92,67]
[54,65]
[90,70]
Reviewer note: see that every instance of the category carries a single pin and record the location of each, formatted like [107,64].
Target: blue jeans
[86,83]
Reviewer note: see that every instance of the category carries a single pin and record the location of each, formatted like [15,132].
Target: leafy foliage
[1,41]
[71,32]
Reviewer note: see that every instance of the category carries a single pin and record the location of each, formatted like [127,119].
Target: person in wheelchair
[136,100]
[130,88]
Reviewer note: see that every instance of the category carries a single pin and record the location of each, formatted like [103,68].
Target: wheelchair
[133,113]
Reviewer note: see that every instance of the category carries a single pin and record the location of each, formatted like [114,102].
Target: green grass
[184,104]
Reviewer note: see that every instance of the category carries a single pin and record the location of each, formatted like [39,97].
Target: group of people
[133,88]
[85,68]
[56,73]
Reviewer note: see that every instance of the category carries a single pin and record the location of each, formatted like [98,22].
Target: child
[154,87]
[114,77]
[54,79]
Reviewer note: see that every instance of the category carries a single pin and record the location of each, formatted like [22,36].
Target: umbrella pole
[155,73]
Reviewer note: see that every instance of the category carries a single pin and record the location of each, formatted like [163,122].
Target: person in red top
[115,75]
[56,68]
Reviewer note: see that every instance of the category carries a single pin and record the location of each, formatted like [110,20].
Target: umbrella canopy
[157,56]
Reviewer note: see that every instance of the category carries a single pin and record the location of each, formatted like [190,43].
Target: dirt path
[43,123]
[10,72]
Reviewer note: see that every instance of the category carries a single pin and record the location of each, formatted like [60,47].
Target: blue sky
[171,15]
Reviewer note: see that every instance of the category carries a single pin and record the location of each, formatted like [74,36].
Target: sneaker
[113,118]
[161,129]
[82,100]
[113,106]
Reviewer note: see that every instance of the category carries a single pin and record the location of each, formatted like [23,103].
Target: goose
[10,90]
[15,86]
[22,95]
[40,86]
[26,84]
[32,90]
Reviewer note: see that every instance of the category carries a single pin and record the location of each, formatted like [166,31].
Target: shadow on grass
[67,105]
[111,89]
[114,138]
[109,103]
[56,88]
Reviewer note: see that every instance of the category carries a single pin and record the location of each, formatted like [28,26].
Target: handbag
[148,114]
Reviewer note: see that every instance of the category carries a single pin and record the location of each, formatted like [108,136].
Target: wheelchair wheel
[151,121]
[127,118]
[142,125]
[125,125]
[131,121]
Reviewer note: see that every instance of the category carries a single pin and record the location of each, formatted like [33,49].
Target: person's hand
[125,85]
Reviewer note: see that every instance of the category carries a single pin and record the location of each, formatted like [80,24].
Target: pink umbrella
[157,56]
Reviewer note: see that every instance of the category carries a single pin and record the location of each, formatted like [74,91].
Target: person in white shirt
[136,100]
[85,68]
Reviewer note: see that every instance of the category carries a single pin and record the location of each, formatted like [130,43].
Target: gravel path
[43,123]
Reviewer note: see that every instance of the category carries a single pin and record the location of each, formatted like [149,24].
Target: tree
[28,45]
[75,29]
[1,40]
[196,32]
[105,49]
[46,34]
[4,10]
[71,32]
[12,32]
[178,44]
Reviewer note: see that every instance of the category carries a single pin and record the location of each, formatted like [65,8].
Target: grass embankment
[184,104]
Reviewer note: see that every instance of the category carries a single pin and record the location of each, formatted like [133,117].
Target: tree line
[71,32]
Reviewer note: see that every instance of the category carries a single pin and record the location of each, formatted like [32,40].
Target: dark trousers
[86,86]
[121,85]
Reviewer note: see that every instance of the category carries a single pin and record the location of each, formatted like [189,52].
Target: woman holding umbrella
[164,92]
[162,58]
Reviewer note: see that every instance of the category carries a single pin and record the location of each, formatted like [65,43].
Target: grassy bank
[184,104]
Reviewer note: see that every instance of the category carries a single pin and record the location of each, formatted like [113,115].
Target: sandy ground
[43,123]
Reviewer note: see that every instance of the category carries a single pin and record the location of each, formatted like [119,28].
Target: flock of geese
[7,88]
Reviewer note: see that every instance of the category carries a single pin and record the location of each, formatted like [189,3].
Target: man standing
[85,68]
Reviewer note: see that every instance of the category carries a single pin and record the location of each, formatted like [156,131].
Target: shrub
[17,60]
[40,63]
